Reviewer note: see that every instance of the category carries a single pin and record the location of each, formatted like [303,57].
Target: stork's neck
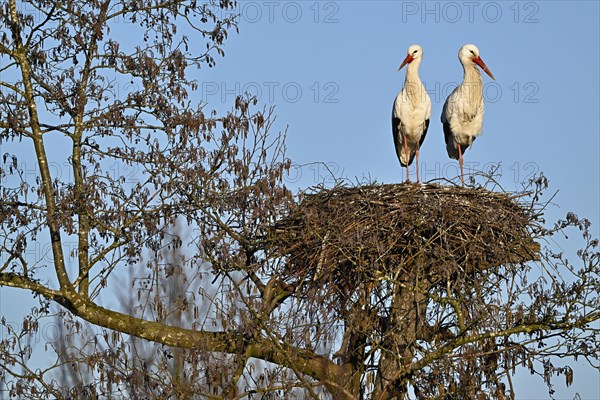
[471,74]
[412,73]
[472,85]
[413,86]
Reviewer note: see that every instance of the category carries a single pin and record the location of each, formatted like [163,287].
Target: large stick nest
[351,235]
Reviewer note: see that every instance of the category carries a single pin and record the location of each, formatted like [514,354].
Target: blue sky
[541,113]
[330,68]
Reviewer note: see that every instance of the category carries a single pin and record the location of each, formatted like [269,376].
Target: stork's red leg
[417,165]
[406,155]
[460,161]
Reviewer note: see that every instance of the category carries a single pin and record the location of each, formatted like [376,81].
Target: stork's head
[415,53]
[469,55]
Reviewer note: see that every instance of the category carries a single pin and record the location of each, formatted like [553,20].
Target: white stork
[410,115]
[462,116]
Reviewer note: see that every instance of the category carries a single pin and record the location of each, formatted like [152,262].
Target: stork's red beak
[407,60]
[479,61]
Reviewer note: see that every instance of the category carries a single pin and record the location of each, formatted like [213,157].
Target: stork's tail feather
[402,158]
[452,148]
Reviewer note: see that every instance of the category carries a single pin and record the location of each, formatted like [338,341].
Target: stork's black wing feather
[395,124]
[450,147]
[395,132]
[424,133]
[447,132]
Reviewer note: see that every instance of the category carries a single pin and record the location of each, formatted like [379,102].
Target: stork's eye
[472,52]
[415,52]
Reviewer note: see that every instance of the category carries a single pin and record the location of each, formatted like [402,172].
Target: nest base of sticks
[345,237]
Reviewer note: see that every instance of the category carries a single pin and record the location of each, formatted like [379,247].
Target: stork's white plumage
[410,115]
[462,116]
